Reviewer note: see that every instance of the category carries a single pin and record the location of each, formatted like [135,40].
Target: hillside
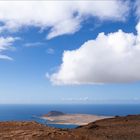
[119,128]
[54,113]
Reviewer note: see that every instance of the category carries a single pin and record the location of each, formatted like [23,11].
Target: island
[54,113]
[57,117]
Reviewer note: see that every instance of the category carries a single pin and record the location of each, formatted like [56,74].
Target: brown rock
[119,128]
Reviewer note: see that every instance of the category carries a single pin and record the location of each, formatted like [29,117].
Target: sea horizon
[42,109]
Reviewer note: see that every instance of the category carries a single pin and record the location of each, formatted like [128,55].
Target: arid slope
[119,128]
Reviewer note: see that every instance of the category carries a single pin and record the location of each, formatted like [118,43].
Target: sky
[66,52]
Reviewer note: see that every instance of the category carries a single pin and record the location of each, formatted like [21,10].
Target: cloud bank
[60,17]
[111,58]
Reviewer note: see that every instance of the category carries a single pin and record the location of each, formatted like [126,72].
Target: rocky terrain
[118,128]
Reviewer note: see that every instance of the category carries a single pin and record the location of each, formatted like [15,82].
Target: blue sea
[27,112]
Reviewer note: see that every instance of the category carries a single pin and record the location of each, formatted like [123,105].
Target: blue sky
[31,66]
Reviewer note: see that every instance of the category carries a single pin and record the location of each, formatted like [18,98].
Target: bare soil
[118,128]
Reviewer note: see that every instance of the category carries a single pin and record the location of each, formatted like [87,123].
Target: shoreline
[73,119]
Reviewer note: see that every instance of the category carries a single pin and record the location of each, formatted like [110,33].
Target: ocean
[27,112]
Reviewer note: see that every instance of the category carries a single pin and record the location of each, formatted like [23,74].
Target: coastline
[73,119]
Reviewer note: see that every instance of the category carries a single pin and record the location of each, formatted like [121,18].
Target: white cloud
[62,17]
[50,51]
[68,26]
[76,99]
[5,57]
[137,8]
[111,58]
[33,44]
[6,44]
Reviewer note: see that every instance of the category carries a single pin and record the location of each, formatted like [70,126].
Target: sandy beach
[76,119]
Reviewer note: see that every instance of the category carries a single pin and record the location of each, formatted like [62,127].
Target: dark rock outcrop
[54,113]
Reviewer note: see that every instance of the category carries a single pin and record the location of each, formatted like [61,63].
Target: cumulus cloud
[111,58]
[61,17]
[6,44]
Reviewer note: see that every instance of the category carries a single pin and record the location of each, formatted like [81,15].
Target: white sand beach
[76,119]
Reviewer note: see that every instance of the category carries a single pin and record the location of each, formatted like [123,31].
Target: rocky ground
[118,128]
